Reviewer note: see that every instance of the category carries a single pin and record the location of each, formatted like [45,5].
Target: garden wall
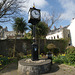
[25,45]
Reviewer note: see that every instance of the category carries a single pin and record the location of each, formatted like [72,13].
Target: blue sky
[63,7]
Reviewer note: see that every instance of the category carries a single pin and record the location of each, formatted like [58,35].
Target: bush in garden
[40,56]
[28,52]
[20,55]
[45,49]
[29,55]
[69,48]
[51,47]
[61,58]
[6,60]
[56,51]
[70,54]
[58,60]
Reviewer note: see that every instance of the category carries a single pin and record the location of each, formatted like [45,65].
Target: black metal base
[34,52]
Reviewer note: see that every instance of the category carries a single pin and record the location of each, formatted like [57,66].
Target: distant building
[5,34]
[64,32]
[30,32]
[11,35]
[2,31]
[58,33]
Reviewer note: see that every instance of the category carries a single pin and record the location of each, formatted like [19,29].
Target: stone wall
[26,45]
[33,67]
[8,45]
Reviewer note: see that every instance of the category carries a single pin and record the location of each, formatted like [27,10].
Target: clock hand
[36,13]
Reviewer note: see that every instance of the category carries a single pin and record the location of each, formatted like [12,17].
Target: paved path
[61,70]
[10,70]
[56,70]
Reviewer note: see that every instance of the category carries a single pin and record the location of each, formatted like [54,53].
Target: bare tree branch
[51,19]
[9,7]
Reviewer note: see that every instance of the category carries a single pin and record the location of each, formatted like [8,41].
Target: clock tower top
[34,15]
[33,5]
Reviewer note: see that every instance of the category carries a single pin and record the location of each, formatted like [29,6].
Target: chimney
[73,18]
[61,27]
[54,28]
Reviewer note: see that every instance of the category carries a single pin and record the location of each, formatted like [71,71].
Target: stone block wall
[26,45]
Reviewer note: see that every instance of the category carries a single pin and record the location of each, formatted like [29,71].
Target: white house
[5,34]
[72,31]
[11,35]
[65,32]
[2,31]
[58,33]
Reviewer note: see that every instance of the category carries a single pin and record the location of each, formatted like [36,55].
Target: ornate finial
[33,5]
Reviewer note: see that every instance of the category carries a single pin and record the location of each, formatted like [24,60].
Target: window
[51,37]
[54,37]
[57,36]
[68,35]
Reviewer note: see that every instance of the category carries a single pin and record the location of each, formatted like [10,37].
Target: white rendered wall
[60,34]
[72,32]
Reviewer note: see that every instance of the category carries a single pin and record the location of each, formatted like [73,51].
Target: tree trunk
[21,35]
[14,49]
[44,41]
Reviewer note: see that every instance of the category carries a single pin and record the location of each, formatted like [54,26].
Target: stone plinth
[29,67]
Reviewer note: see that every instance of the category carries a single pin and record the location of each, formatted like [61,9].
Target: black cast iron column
[34,31]
[34,45]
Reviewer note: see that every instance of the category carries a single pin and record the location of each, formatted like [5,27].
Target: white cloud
[38,4]
[0,0]
[69,9]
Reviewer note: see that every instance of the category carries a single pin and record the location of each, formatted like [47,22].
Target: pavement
[9,70]
[56,70]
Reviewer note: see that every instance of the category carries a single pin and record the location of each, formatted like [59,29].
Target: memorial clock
[34,16]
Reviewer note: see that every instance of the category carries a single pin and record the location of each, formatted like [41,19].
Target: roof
[57,30]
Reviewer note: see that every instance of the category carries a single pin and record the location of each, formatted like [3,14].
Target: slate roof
[57,30]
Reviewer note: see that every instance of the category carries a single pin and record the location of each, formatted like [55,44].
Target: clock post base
[34,52]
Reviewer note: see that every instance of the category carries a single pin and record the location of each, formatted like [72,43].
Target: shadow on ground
[54,68]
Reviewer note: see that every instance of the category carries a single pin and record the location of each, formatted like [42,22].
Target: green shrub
[51,47]
[63,44]
[70,54]
[56,51]
[6,60]
[60,59]
[29,55]
[20,55]
[57,60]
[28,52]
[45,49]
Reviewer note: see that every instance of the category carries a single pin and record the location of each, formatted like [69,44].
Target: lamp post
[34,18]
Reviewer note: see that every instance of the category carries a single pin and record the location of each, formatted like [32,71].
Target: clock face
[35,14]
[29,16]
